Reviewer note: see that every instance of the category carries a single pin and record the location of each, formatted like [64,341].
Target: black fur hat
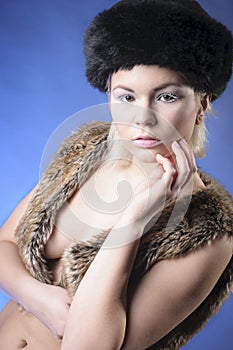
[177,34]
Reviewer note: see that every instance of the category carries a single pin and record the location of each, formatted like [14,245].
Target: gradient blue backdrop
[42,82]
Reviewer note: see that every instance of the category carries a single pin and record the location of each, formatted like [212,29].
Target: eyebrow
[161,87]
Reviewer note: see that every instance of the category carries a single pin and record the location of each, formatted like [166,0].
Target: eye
[167,97]
[127,98]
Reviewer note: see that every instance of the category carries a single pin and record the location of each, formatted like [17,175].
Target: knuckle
[173,171]
[194,169]
[60,327]
[59,333]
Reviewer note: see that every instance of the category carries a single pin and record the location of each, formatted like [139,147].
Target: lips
[146,141]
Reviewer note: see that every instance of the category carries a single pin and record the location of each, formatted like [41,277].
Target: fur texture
[209,217]
[177,34]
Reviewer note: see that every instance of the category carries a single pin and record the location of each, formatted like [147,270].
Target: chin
[145,155]
[148,155]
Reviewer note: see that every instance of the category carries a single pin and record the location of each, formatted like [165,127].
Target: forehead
[152,75]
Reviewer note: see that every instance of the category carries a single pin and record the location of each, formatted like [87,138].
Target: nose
[145,116]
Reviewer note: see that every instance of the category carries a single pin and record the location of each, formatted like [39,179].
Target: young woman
[148,269]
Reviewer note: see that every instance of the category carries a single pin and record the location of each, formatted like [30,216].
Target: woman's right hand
[175,176]
[51,306]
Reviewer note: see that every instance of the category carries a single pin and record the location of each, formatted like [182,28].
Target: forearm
[15,280]
[97,317]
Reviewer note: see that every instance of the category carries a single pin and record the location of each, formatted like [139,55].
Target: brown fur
[209,217]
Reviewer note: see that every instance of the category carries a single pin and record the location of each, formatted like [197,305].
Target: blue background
[42,82]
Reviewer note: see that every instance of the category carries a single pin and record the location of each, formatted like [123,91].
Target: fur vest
[208,217]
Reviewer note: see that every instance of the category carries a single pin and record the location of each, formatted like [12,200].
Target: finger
[189,154]
[169,170]
[186,166]
[152,174]
[183,164]
[188,184]
[59,337]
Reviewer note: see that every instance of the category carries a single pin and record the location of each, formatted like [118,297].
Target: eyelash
[172,96]
[122,98]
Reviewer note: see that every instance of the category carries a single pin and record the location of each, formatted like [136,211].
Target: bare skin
[121,312]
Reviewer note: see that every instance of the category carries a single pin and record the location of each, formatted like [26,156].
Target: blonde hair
[198,140]
[118,151]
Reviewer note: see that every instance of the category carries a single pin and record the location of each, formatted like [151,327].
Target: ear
[205,103]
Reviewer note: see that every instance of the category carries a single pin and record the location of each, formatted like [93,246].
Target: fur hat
[177,34]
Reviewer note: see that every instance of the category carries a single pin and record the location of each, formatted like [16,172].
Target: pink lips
[146,141]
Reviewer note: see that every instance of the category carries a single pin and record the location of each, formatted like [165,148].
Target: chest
[97,206]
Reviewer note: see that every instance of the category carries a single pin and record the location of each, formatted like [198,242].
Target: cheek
[183,120]
[124,131]
[123,119]
[122,112]
[116,110]
[121,130]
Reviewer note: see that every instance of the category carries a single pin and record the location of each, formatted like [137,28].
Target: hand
[185,168]
[151,195]
[51,306]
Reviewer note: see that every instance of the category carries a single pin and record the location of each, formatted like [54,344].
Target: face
[151,107]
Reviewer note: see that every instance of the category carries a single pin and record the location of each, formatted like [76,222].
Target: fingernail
[175,143]
[159,157]
[184,141]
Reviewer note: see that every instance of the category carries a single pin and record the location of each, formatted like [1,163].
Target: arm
[98,310]
[47,303]
[97,316]
[171,291]
[11,266]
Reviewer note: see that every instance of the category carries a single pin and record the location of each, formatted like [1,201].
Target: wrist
[28,295]
[124,232]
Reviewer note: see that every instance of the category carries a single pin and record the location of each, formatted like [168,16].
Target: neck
[132,169]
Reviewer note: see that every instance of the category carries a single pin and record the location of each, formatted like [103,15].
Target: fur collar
[209,216]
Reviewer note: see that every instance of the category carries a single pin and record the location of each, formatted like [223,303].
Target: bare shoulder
[8,228]
[57,243]
[173,289]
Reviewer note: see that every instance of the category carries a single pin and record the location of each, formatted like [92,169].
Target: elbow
[105,340]
[116,334]
[100,328]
